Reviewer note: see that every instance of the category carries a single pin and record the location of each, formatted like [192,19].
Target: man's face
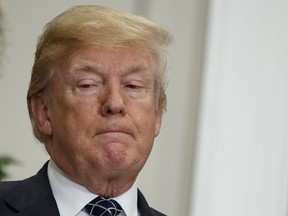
[101,113]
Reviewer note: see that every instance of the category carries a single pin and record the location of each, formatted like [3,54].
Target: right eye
[87,86]
[86,83]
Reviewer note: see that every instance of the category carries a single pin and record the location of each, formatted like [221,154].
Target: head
[123,55]
[100,26]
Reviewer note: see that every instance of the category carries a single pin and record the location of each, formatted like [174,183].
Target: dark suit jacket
[33,197]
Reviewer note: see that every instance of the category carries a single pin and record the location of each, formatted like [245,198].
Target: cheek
[71,119]
[73,108]
[146,126]
[148,117]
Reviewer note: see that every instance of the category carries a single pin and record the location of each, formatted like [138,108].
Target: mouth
[120,131]
[115,133]
[115,130]
[114,137]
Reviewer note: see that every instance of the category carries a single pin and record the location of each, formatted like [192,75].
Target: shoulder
[29,196]
[41,179]
[6,187]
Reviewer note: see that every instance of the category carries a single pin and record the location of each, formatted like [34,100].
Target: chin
[116,155]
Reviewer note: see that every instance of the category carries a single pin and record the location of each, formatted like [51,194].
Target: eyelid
[140,77]
[134,86]
[77,78]
[86,81]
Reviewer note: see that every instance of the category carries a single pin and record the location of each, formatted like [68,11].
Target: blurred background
[223,148]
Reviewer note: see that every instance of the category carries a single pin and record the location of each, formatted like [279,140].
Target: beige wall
[242,141]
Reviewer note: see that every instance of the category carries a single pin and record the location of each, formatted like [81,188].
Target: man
[96,100]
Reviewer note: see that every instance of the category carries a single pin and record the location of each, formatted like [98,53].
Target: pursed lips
[115,133]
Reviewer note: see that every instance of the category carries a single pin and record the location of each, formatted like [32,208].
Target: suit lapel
[33,196]
[144,208]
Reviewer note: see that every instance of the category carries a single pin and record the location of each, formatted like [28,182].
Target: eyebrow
[97,68]
[85,66]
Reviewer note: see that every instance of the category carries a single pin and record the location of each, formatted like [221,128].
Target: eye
[87,87]
[133,86]
[87,83]
[135,89]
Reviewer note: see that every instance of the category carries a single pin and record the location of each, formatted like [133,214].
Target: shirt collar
[68,193]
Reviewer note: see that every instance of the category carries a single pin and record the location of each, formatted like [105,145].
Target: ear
[158,123]
[40,111]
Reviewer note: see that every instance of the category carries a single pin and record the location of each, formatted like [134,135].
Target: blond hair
[101,26]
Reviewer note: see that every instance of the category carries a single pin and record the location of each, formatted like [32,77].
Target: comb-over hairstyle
[92,24]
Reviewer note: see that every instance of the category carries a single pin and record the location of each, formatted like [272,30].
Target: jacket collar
[33,196]
[144,208]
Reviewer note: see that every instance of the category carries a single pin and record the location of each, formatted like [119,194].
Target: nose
[113,101]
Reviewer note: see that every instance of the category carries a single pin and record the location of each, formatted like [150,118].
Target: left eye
[86,85]
[131,86]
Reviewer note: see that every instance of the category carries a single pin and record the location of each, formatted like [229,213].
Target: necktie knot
[101,206]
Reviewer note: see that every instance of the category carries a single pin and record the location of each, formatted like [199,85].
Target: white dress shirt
[72,197]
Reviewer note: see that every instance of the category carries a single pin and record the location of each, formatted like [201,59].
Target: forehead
[120,59]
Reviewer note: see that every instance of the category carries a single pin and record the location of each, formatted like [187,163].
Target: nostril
[114,101]
[109,109]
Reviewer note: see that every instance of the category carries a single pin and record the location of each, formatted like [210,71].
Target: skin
[100,116]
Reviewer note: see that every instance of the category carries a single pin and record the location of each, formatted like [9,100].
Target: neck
[110,188]
[106,184]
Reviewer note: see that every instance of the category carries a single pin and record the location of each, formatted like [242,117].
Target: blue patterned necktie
[101,206]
